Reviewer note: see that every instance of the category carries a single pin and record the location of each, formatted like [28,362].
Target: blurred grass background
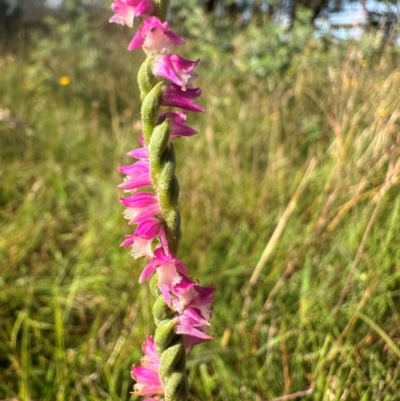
[289,199]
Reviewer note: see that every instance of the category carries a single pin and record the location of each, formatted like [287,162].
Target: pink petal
[174,96]
[140,207]
[167,274]
[176,69]
[140,153]
[133,183]
[155,36]
[149,229]
[143,215]
[177,126]
[169,267]
[142,7]
[140,200]
[124,13]
[142,248]
[126,10]
[146,375]
[147,272]
[192,332]
[139,167]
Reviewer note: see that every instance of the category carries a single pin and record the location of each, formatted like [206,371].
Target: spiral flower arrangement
[182,308]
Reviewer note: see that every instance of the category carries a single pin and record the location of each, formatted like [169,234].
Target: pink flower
[174,96]
[148,381]
[177,124]
[140,207]
[136,168]
[193,328]
[193,304]
[176,69]
[126,10]
[155,36]
[141,241]
[138,175]
[186,293]
[168,268]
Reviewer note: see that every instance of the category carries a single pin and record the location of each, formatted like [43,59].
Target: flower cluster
[166,80]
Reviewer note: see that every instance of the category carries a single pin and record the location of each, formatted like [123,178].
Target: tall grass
[290,206]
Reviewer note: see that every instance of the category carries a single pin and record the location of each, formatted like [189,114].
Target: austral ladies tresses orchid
[177,124]
[182,309]
[155,36]
[170,269]
[140,206]
[138,175]
[147,378]
[175,68]
[126,10]
[145,233]
[174,96]
[193,327]
[188,293]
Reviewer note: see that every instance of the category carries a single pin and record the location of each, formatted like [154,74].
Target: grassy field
[290,206]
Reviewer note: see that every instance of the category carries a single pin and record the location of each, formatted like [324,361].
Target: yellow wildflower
[64,80]
[274,116]
[363,62]
[382,112]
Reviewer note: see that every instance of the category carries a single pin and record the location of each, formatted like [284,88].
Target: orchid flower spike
[182,309]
